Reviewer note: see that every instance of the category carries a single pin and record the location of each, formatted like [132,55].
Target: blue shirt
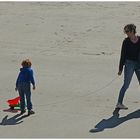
[25,75]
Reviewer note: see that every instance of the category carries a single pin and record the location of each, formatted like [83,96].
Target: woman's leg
[128,73]
[137,71]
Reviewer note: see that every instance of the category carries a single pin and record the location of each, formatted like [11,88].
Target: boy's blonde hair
[26,63]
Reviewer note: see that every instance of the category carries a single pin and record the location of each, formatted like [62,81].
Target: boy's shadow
[13,120]
[114,121]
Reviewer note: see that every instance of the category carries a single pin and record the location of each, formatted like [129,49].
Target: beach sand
[75,50]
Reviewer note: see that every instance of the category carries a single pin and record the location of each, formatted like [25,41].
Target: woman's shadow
[17,119]
[114,120]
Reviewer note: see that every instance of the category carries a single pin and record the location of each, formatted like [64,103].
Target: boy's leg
[28,96]
[22,98]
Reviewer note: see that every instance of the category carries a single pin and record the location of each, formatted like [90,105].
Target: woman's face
[129,33]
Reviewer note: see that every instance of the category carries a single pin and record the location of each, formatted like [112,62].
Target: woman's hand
[119,73]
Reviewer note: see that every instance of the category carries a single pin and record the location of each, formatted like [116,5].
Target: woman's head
[26,63]
[130,28]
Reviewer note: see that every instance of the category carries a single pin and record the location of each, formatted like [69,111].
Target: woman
[130,60]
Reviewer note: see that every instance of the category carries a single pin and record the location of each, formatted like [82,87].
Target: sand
[75,49]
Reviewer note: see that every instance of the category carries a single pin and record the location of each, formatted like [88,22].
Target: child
[23,85]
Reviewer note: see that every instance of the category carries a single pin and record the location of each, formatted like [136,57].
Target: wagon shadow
[17,119]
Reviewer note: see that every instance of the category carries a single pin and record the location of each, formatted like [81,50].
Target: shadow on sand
[114,121]
[17,119]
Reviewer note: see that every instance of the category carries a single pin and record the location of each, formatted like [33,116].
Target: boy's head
[26,63]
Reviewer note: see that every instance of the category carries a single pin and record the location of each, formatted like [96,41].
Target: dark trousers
[24,90]
[130,68]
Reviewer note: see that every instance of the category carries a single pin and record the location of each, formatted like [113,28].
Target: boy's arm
[17,83]
[32,78]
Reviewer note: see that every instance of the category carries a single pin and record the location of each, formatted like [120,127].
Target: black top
[130,51]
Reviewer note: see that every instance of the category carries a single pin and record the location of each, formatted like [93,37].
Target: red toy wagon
[14,103]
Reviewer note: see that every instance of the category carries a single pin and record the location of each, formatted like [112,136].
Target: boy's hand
[33,87]
[16,89]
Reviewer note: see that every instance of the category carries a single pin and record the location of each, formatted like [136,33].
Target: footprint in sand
[89,30]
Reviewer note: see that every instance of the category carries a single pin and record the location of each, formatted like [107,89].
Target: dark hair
[130,28]
[26,63]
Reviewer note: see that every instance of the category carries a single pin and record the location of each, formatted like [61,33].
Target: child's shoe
[30,112]
[22,112]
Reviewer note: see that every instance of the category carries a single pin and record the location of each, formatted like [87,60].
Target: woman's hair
[26,63]
[130,28]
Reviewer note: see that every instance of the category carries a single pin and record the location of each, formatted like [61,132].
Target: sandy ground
[75,50]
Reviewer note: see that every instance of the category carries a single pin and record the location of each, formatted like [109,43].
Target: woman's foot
[121,106]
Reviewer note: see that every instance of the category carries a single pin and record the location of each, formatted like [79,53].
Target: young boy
[23,85]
